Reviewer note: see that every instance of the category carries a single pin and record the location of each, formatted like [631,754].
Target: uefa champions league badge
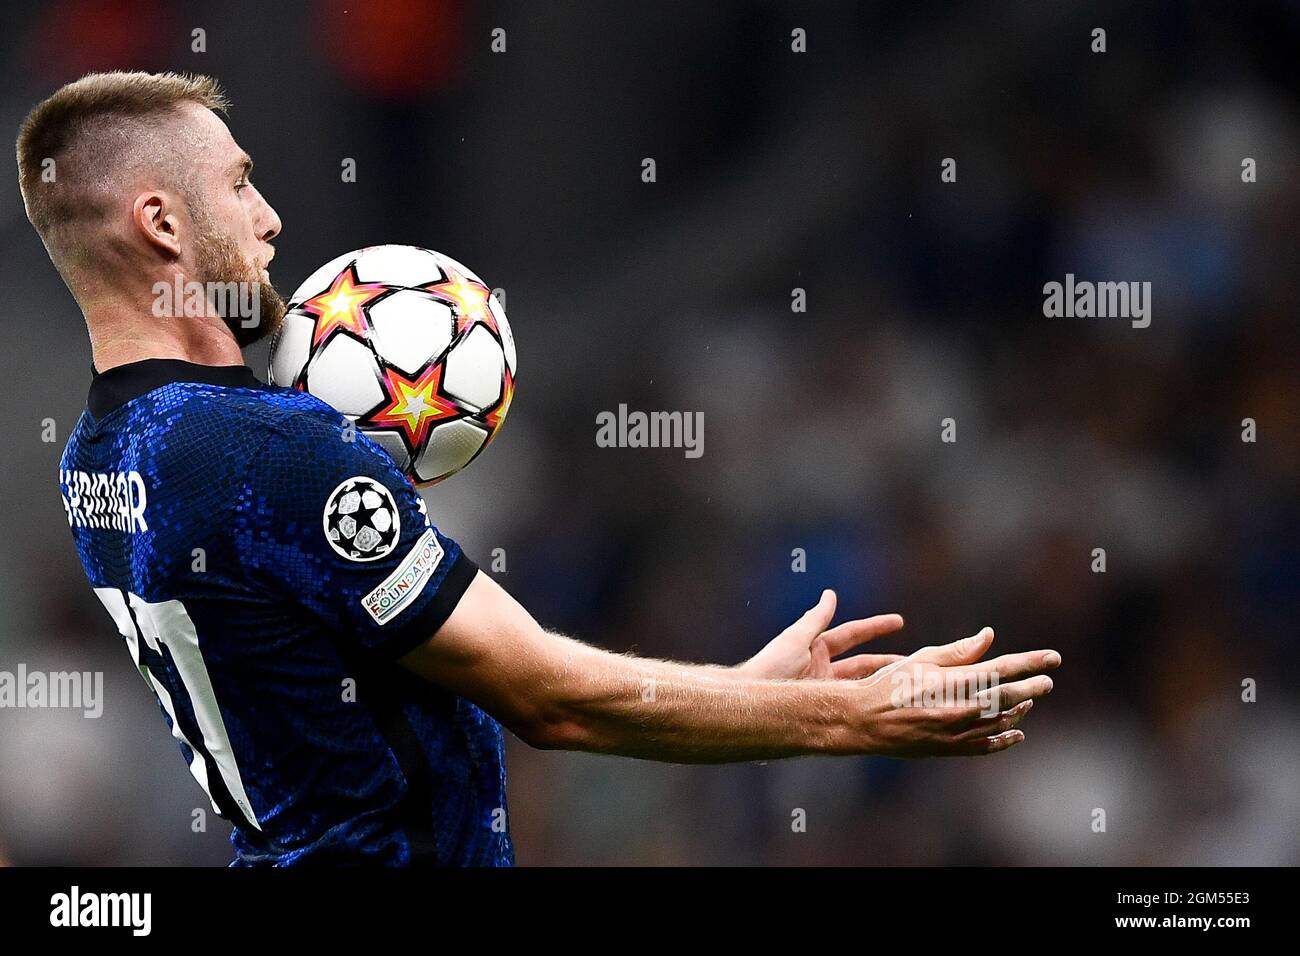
[361,519]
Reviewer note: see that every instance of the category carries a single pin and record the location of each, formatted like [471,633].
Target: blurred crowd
[776,171]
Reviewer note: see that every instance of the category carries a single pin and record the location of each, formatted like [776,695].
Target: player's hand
[901,716]
[805,649]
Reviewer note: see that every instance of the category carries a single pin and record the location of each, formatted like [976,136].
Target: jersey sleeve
[325,519]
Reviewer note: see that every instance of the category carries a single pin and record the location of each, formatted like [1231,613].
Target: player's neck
[120,335]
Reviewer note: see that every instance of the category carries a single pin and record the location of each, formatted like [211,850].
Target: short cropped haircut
[73,145]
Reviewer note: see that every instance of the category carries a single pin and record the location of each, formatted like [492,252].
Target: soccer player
[333,699]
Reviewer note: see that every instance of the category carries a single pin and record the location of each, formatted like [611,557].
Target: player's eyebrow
[243,165]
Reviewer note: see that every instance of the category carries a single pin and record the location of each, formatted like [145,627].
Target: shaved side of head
[96,141]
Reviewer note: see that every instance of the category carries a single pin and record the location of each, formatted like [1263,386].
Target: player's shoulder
[254,415]
[228,431]
[286,432]
[266,407]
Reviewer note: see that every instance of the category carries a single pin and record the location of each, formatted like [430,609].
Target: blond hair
[73,146]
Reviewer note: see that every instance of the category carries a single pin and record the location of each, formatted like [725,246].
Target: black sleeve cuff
[434,614]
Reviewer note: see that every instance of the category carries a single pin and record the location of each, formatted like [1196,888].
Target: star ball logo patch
[361,519]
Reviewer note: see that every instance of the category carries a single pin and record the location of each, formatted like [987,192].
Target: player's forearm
[558,693]
[683,713]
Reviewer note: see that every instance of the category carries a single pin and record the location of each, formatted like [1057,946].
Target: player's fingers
[998,723]
[861,665]
[1013,666]
[1006,696]
[966,651]
[846,636]
[987,745]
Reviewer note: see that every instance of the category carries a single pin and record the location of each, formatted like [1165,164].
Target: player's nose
[269,223]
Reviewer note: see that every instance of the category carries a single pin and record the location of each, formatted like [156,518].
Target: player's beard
[218,260]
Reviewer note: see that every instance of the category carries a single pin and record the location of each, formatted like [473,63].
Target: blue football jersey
[267,564]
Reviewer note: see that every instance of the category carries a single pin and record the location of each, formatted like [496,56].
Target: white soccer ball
[409,344]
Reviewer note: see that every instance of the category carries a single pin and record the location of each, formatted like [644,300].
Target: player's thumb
[965,651]
[817,618]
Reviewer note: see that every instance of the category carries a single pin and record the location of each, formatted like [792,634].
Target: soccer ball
[411,346]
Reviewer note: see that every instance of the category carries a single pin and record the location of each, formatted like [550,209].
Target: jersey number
[152,629]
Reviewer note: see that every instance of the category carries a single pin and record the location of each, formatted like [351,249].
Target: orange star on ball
[340,307]
[414,405]
[498,414]
[468,298]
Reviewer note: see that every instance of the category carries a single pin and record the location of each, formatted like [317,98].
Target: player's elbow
[551,727]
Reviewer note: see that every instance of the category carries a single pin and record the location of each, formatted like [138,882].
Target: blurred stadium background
[775,171]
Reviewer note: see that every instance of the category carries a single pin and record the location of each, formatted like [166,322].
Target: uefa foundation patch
[402,587]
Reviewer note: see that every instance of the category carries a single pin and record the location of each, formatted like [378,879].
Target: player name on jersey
[111,500]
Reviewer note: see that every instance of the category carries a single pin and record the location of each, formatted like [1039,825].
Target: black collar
[117,386]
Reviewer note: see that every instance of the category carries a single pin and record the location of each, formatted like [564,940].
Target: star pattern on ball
[340,307]
[468,298]
[414,405]
[498,414]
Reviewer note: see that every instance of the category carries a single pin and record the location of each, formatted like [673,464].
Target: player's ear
[153,218]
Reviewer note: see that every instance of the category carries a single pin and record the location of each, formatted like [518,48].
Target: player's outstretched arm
[558,693]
